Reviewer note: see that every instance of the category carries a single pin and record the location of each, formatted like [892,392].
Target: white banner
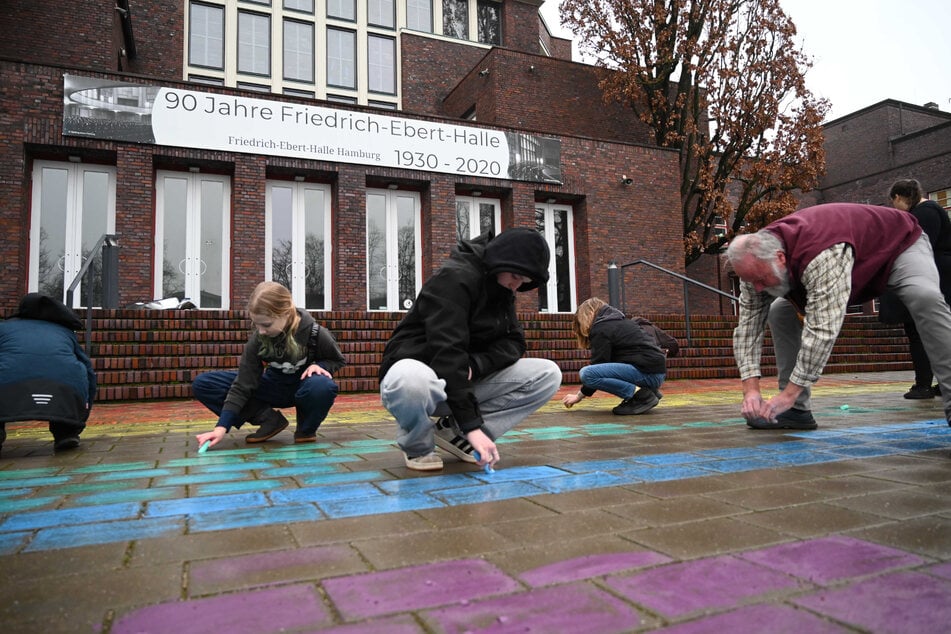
[187,118]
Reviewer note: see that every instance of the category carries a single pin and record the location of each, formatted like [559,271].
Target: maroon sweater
[877,235]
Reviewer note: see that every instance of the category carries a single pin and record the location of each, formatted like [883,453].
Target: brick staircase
[156,354]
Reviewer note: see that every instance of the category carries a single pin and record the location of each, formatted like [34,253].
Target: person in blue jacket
[44,373]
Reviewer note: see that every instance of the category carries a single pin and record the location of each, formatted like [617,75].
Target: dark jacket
[44,373]
[616,339]
[317,344]
[463,319]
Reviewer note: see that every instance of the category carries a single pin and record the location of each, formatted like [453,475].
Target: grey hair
[762,245]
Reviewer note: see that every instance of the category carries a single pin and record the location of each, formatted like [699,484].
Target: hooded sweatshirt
[463,319]
[44,372]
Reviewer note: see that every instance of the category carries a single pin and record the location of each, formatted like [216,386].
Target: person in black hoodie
[44,372]
[457,354]
[289,360]
[623,358]
[907,195]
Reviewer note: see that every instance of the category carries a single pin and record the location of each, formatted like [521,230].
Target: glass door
[393,244]
[555,222]
[74,204]
[475,216]
[296,241]
[192,242]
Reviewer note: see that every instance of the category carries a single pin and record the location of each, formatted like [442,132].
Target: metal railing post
[614,285]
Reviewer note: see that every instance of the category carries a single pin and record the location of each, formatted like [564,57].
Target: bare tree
[723,82]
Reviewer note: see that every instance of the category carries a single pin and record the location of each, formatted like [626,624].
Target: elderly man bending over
[800,273]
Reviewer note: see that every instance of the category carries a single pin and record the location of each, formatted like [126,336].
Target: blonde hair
[274,300]
[584,317]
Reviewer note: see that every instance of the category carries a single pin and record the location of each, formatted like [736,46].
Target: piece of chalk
[844,407]
[488,468]
[204,446]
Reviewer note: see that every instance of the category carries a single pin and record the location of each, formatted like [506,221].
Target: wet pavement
[680,520]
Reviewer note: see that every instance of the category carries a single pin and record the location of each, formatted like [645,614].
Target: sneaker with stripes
[451,441]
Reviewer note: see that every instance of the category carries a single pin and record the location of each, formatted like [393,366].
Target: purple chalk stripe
[259,612]
[591,566]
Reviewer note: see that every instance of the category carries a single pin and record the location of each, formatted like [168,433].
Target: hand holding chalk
[488,466]
[204,446]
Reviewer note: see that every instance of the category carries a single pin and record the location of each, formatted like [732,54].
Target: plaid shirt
[828,283]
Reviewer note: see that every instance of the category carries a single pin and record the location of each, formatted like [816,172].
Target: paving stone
[576,608]
[708,584]
[283,609]
[416,588]
[233,572]
[775,619]
[898,602]
[831,559]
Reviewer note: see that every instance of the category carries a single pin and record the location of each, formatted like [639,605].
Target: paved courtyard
[681,520]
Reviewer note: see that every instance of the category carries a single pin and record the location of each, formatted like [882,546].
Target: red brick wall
[77,33]
[544,94]
[422,89]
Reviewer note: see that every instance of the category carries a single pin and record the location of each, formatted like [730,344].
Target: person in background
[44,372]
[801,272]
[625,361]
[289,360]
[907,195]
[457,354]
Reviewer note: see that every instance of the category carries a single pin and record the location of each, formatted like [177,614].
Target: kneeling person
[457,354]
[625,361]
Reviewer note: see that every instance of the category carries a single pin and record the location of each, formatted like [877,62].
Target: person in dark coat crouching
[625,361]
[458,353]
[44,373]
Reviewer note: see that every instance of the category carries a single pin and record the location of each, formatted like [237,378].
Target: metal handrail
[107,240]
[616,289]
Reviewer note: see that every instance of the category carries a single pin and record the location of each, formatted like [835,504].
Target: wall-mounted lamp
[483,72]
[625,180]
[551,201]
[392,186]
[531,68]
[476,192]
[299,178]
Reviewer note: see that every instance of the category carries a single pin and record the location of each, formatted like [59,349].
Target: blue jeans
[412,392]
[313,396]
[619,379]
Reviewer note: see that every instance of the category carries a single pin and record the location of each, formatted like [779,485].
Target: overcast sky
[865,51]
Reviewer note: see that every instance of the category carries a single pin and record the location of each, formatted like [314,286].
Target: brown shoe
[272,423]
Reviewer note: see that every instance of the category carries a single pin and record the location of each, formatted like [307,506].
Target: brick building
[338,147]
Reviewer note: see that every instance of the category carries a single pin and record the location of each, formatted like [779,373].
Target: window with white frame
[206,35]
[342,9]
[341,58]
[254,43]
[381,13]
[73,205]
[381,64]
[419,15]
[555,221]
[192,237]
[455,18]
[299,51]
[476,215]
[304,6]
[297,241]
